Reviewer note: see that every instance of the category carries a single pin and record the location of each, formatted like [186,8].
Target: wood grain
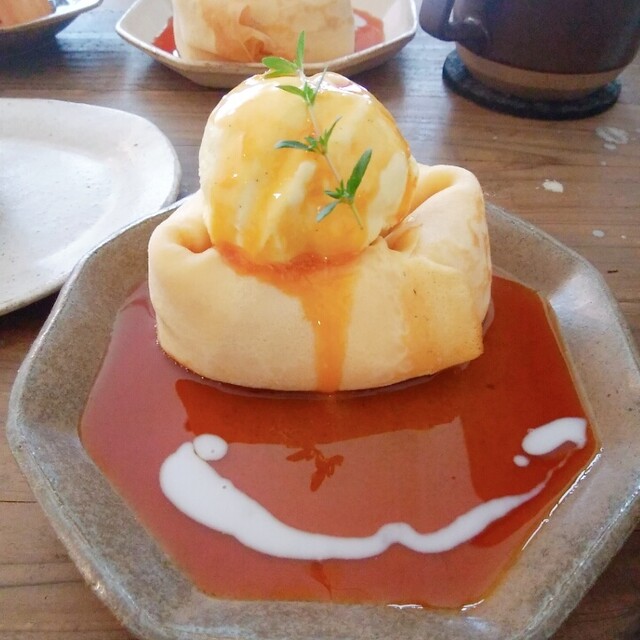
[42,595]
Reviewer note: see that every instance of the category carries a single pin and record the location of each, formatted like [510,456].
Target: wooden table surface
[42,595]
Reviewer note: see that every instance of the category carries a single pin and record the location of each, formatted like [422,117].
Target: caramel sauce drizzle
[325,290]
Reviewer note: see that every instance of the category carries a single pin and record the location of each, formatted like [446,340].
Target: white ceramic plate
[25,36]
[72,174]
[146,19]
[127,569]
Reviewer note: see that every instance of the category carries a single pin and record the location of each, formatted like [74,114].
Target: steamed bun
[248,30]
[250,289]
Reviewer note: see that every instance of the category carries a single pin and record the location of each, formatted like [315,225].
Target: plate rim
[26,35]
[62,12]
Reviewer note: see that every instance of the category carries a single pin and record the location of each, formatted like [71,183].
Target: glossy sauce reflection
[344,463]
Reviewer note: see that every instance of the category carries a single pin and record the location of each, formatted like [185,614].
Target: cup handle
[436,20]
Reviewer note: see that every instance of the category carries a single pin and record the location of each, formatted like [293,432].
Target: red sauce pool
[369,32]
[343,464]
[166,40]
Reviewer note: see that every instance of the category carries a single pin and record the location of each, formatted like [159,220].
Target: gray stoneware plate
[131,574]
[25,36]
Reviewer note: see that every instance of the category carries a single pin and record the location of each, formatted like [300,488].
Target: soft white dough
[248,30]
[419,298]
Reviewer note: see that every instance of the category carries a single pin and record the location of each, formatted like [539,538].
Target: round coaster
[457,77]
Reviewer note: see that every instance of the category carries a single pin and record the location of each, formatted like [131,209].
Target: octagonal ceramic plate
[154,600]
[146,19]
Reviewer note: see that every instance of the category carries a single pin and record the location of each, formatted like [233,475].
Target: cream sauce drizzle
[550,436]
[193,486]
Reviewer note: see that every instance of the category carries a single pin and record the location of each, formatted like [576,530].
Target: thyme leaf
[293,144]
[279,67]
[358,173]
[319,141]
[326,210]
[299,60]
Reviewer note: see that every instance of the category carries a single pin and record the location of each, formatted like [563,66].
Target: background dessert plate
[72,174]
[146,19]
[154,600]
[25,36]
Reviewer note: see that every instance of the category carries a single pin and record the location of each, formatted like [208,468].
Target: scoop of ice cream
[265,200]
[247,30]
[15,12]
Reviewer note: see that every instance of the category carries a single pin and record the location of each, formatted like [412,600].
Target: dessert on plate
[16,12]
[247,30]
[319,256]
[279,274]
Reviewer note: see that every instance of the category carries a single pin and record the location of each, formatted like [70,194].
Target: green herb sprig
[343,193]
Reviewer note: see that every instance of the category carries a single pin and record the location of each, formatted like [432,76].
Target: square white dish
[146,19]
